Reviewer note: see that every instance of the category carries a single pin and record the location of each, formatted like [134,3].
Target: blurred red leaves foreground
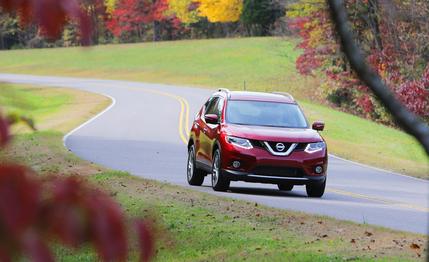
[38,211]
[51,15]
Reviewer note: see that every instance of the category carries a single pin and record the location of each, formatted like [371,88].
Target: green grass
[34,102]
[266,64]
[358,139]
[50,108]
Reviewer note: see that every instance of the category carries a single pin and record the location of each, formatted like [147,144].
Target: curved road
[142,132]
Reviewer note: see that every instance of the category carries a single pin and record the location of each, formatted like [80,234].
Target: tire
[194,175]
[315,189]
[285,187]
[219,182]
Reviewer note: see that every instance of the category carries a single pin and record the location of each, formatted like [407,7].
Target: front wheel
[219,182]
[195,176]
[315,189]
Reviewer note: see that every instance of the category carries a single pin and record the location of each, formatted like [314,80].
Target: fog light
[318,169]
[236,164]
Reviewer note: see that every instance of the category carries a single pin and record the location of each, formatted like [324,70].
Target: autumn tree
[97,13]
[258,16]
[220,10]
[50,17]
[110,5]
[10,31]
[135,20]
[395,44]
[409,122]
[185,10]
[130,18]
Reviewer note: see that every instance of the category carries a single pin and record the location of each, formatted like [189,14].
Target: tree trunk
[156,31]
[1,41]
[374,23]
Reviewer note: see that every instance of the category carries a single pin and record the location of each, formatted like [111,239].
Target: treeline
[394,35]
[124,21]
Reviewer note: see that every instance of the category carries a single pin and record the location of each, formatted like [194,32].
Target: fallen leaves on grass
[414,246]
[368,234]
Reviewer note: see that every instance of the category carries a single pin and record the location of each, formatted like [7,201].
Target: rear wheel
[315,189]
[195,176]
[285,187]
[219,182]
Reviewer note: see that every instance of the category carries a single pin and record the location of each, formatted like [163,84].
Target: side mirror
[211,119]
[318,125]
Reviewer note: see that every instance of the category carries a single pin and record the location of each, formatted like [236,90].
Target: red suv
[256,137]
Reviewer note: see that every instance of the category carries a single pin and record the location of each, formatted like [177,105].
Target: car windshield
[260,113]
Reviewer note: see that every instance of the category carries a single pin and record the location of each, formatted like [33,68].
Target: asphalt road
[143,131]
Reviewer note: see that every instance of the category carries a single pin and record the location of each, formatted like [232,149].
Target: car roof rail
[285,94]
[226,90]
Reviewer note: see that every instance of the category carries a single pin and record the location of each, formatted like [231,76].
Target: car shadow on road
[264,192]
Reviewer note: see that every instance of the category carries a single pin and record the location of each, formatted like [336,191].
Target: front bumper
[268,179]
[258,164]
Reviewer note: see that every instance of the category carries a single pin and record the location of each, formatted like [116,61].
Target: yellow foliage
[220,10]
[305,8]
[110,5]
[180,8]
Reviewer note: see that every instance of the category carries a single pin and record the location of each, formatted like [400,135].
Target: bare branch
[407,120]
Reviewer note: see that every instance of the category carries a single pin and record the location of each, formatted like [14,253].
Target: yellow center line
[187,117]
[183,115]
[380,200]
[183,129]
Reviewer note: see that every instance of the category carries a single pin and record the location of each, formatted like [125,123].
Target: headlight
[241,142]
[315,147]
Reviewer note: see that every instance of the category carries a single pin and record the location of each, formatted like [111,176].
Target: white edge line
[113,103]
[378,169]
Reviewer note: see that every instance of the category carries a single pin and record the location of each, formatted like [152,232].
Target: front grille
[278,171]
[260,144]
[279,147]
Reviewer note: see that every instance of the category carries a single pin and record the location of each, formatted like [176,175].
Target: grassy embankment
[197,226]
[267,64]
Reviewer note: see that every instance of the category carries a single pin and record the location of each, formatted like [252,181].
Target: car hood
[274,134]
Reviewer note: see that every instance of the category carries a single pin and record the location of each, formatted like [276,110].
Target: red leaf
[36,249]
[79,213]
[19,196]
[107,227]
[5,255]
[64,213]
[50,15]
[146,239]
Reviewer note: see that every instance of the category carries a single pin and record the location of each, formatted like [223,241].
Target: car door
[208,132]
[200,136]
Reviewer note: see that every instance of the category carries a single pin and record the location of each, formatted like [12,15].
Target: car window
[212,107]
[220,107]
